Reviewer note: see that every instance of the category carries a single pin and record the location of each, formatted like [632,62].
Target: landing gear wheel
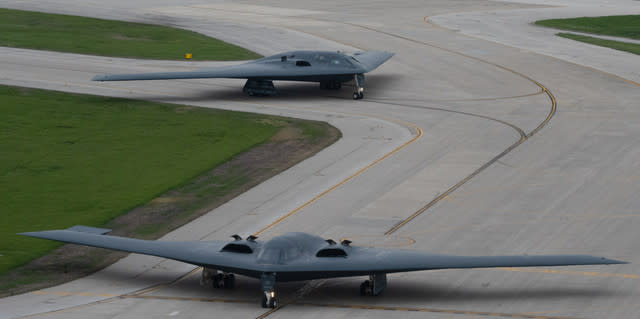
[229,281]
[218,279]
[268,301]
[360,96]
[356,96]
[365,288]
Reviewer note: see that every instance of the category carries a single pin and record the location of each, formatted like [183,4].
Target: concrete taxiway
[461,146]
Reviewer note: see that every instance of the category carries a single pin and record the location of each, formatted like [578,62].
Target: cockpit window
[279,251]
[311,58]
[332,59]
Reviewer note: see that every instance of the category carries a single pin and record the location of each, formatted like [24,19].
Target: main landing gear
[217,279]
[223,280]
[374,286]
[254,87]
[331,85]
[358,80]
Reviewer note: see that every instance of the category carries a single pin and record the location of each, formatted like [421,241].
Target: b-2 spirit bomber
[300,256]
[329,68]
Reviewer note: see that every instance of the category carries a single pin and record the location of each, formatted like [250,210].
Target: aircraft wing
[372,59]
[362,261]
[357,261]
[200,253]
[241,71]
[247,70]
[270,68]
[407,261]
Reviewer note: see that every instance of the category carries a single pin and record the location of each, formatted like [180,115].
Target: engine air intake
[331,252]
[237,248]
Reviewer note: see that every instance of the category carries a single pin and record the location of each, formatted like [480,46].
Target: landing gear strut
[358,80]
[374,286]
[268,285]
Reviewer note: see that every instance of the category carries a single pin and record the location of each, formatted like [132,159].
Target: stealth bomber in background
[300,256]
[329,68]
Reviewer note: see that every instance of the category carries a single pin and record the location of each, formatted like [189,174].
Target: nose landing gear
[269,299]
[268,285]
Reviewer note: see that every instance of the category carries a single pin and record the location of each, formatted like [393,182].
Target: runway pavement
[461,146]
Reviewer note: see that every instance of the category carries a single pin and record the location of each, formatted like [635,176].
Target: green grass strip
[627,26]
[617,45]
[77,159]
[64,33]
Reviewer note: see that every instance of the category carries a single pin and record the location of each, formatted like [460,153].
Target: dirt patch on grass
[176,207]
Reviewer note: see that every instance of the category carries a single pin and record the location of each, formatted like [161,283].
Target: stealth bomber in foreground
[330,69]
[300,256]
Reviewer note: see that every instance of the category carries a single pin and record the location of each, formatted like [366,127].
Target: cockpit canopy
[279,250]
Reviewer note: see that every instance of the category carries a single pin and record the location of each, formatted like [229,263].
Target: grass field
[76,159]
[618,26]
[617,45]
[43,31]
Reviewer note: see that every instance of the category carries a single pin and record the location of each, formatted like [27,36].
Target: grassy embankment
[618,26]
[72,159]
[64,33]
[139,168]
